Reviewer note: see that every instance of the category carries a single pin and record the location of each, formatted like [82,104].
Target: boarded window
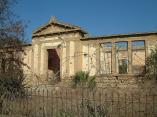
[138,57]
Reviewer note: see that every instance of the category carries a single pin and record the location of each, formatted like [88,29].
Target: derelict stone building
[59,50]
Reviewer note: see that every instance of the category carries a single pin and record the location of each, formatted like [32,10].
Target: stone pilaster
[35,59]
[97,58]
[113,58]
[45,64]
[71,58]
[39,58]
[78,56]
[146,48]
[67,59]
[129,57]
[61,60]
[32,60]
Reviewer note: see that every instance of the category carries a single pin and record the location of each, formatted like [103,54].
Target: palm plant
[83,79]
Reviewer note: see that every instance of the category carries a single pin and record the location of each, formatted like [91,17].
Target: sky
[97,17]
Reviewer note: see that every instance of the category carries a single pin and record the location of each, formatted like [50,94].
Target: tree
[11,29]
[151,65]
[11,41]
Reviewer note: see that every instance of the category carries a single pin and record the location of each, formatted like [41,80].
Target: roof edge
[121,35]
[61,32]
[54,21]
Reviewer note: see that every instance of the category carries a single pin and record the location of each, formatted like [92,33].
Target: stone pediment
[53,26]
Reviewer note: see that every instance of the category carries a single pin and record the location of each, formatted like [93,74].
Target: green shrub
[83,79]
[151,65]
[12,85]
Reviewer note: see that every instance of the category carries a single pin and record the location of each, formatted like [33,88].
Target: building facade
[59,50]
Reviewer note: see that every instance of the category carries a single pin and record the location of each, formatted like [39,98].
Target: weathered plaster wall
[85,57]
[26,57]
[133,56]
[151,44]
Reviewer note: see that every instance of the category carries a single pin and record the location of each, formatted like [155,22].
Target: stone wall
[122,84]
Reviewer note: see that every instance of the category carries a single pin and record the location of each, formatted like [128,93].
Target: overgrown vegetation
[83,79]
[151,65]
[12,85]
[11,41]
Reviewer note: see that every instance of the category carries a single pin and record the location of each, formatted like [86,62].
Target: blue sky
[98,17]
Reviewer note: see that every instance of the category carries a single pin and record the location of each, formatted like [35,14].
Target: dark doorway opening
[53,64]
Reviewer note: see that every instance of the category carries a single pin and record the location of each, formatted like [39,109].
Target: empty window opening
[122,57]
[53,64]
[138,57]
[121,46]
[138,45]
[105,58]
[123,64]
